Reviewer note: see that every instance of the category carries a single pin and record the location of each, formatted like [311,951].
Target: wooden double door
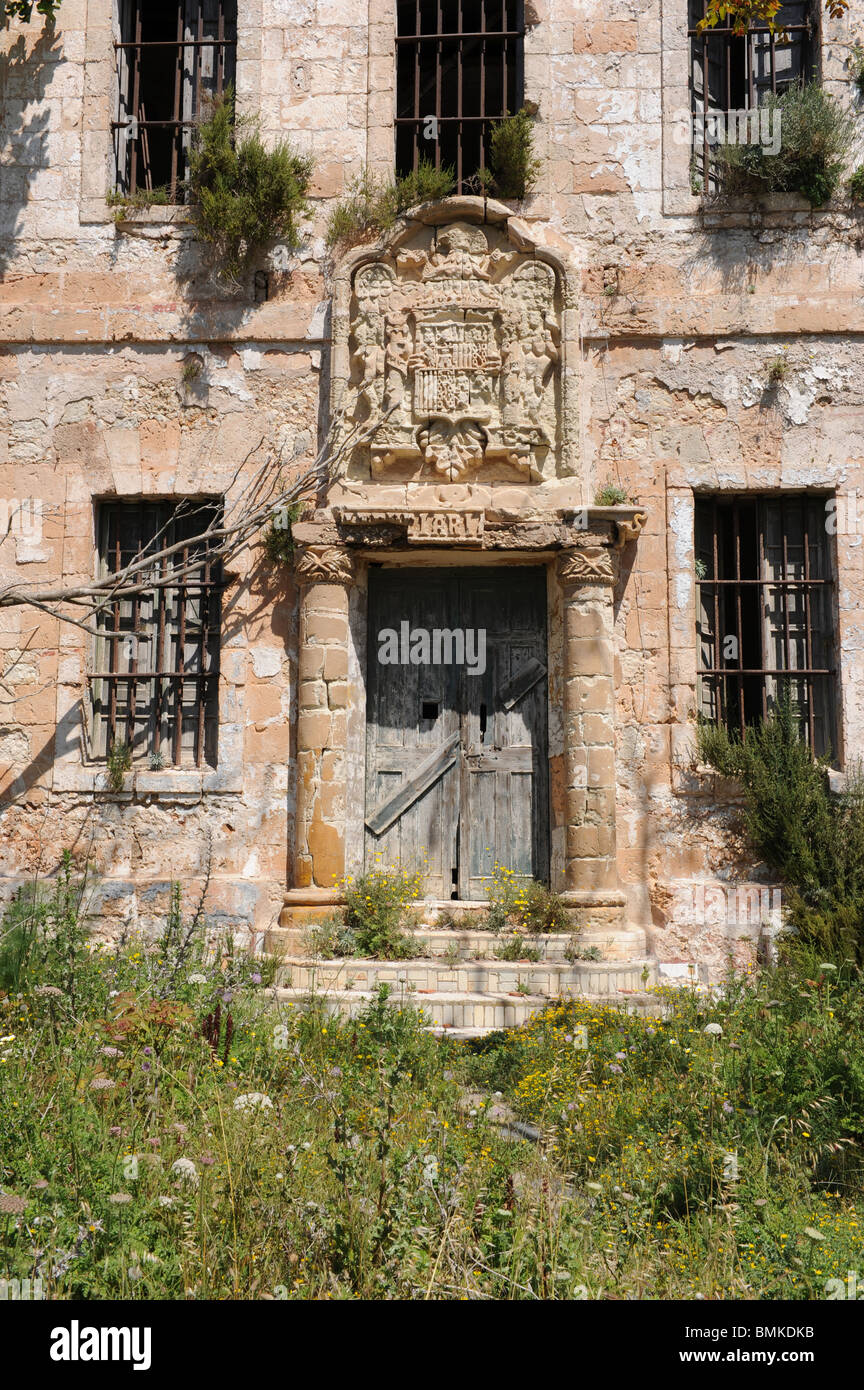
[457,768]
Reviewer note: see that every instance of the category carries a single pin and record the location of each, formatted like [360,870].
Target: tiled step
[453,1013]
[549,978]
[612,945]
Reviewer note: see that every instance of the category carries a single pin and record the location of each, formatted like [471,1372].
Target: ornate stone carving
[456,339]
[330,564]
[630,530]
[588,565]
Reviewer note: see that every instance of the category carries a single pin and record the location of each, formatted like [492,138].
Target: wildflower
[255,978]
[826,965]
[116,1131]
[186,1171]
[254,1100]
[102,1083]
[813,1233]
[111,1052]
[48,991]
[165,1201]
[120,1199]
[197,979]
[713,1030]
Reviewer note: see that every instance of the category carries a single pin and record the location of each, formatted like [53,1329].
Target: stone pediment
[449,349]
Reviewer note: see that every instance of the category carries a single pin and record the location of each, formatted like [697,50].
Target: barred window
[458,71]
[171,57]
[154,684]
[730,73]
[765,612]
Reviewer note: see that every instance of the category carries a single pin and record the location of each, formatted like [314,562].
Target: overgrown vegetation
[243,196]
[372,204]
[816,135]
[117,764]
[124,203]
[778,370]
[611,495]
[376,912]
[513,166]
[168,1131]
[22,10]
[278,539]
[812,838]
[743,13]
[855,185]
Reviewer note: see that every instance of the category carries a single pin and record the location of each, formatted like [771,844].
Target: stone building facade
[487,367]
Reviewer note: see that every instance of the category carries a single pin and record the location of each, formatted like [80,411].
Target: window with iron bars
[172,59]
[458,72]
[765,612]
[729,73]
[154,683]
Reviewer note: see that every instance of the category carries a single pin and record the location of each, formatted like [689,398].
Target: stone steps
[547,978]
[612,944]
[462,1014]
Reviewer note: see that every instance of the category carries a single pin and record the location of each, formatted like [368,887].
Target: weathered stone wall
[681,311]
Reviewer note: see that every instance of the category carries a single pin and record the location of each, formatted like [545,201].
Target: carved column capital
[324,564]
[589,564]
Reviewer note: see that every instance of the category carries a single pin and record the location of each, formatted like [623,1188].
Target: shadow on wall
[26,72]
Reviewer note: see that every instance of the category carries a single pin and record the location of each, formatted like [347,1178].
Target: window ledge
[158,215]
[172,782]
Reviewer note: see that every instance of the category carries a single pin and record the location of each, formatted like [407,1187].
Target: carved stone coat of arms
[454,350]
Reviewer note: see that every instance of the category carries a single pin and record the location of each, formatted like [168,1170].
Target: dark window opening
[729,73]
[172,60]
[458,72]
[155,678]
[429,709]
[765,613]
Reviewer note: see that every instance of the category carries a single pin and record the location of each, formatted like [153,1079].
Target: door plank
[524,680]
[428,772]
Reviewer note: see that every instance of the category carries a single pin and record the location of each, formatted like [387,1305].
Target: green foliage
[778,370]
[521,904]
[173,1132]
[371,204]
[124,203]
[243,196]
[516,947]
[611,495]
[117,764]
[43,934]
[743,13]
[23,9]
[331,939]
[856,185]
[815,136]
[376,912]
[514,167]
[278,538]
[812,839]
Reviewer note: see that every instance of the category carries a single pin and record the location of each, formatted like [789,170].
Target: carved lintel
[423,526]
[590,564]
[629,530]
[328,564]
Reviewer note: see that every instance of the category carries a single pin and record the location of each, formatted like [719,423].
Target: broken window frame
[430,35]
[774,547]
[749,63]
[203,66]
[157,694]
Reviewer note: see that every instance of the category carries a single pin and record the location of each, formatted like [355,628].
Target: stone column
[587,576]
[325,574]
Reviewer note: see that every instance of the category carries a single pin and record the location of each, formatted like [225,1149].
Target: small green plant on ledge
[125,203]
[242,196]
[513,166]
[371,204]
[611,495]
[816,134]
[856,185]
[516,947]
[278,538]
[778,370]
[117,764]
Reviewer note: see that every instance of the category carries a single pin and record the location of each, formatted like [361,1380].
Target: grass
[167,1130]
[372,205]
